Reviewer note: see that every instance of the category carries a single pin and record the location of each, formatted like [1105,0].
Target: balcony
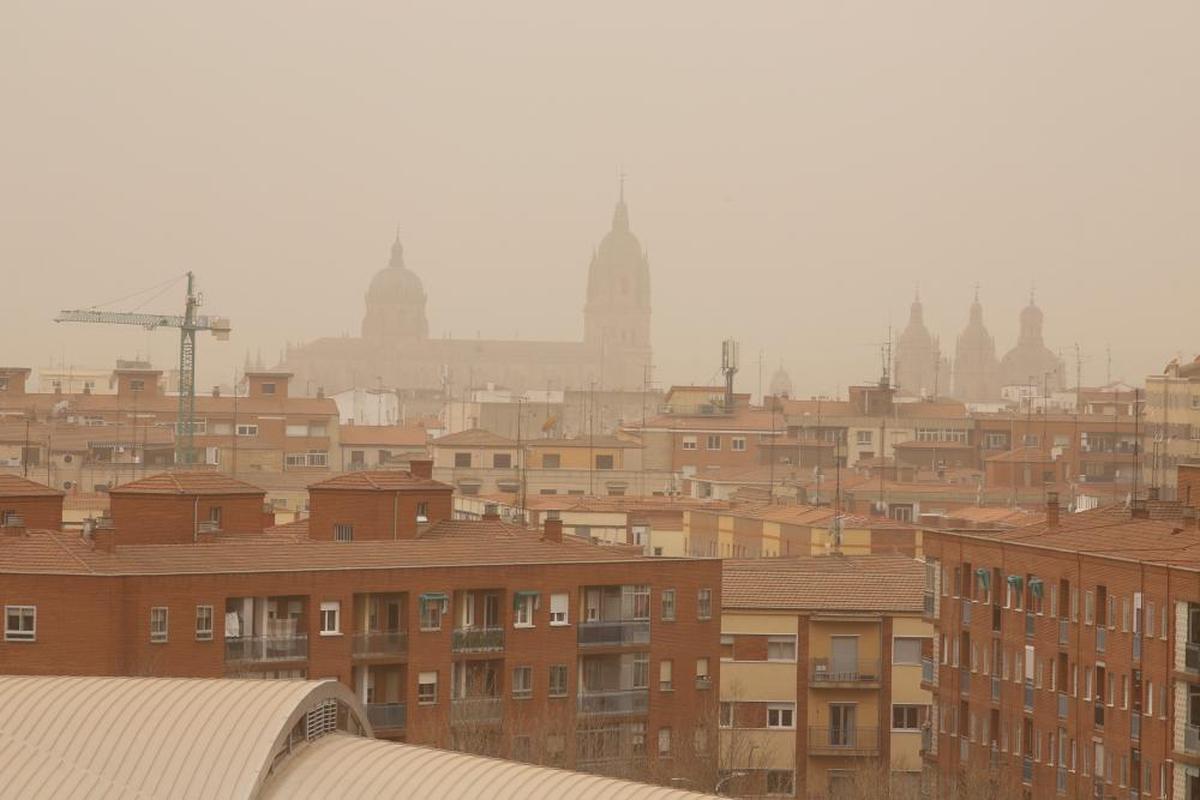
[614,634]
[966,611]
[617,701]
[1028,696]
[1191,656]
[267,648]
[843,741]
[476,710]
[824,673]
[1027,769]
[929,605]
[477,640]
[1191,738]
[1135,725]
[381,643]
[1137,647]
[1060,780]
[1063,705]
[703,681]
[1101,639]
[928,672]
[387,716]
[927,738]
[1064,632]
[1029,626]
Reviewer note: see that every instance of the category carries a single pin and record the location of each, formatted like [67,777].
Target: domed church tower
[616,317]
[920,369]
[395,302]
[975,365]
[1031,361]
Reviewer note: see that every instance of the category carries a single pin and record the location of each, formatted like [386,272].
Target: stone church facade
[395,345]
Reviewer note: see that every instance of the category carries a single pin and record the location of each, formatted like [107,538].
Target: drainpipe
[195,519]
[395,512]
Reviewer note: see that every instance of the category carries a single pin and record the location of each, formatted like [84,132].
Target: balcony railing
[928,671]
[1063,705]
[478,640]
[928,604]
[1101,639]
[267,648]
[843,741]
[1064,632]
[387,715]
[1191,656]
[617,701]
[475,710]
[825,672]
[1191,738]
[623,632]
[966,611]
[381,643]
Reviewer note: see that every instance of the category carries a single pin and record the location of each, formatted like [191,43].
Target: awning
[1035,586]
[985,577]
[435,597]
[1016,581]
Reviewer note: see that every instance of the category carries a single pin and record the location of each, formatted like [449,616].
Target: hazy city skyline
[793,173]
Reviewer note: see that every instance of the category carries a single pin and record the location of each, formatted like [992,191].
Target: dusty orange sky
[794,170]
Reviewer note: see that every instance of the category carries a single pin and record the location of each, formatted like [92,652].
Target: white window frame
[919,642]
[737,444]
[523,610]
[774,643]
[331,618]
[708,442]
[522,689]
[560,609]
[666,675]
[159,624]
[427,679]
[668,605]
[781,716]
[688,443]
[343,532]
[20,633]
[664,742]
[204,634]
[555,691]
[704,604]
[246,429]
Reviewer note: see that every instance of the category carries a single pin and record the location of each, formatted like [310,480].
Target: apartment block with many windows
[821,673]
[1063,660]
[479,635]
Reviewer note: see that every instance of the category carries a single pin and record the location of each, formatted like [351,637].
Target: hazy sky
[794,169]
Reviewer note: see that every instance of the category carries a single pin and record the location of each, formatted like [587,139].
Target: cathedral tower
[395,303]
[1031,361]
[616,316]
[920,369]
[976,377]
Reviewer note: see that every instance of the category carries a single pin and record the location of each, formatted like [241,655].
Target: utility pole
[521,456]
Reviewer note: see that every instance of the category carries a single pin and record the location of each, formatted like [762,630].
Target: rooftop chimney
[491,511]
[552,530]
[1052,510]
[104,539]
[421,468]
[320,392]
[216,392]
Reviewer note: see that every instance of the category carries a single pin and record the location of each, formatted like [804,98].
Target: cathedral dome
[617,311]
[781,383]
[395,302]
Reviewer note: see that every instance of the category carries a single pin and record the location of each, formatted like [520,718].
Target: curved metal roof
[348,766]
[69,737]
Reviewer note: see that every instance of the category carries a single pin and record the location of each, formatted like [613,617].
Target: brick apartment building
[1067,656]
[263,430]
[821,674]
[479,635]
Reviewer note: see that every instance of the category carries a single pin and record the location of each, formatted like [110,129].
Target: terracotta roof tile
[386,435]
[18,486]
[834,584]
[379,480]
[475,437]
[187,482]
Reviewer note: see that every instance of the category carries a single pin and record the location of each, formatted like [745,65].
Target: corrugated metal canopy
[72,737]
[353,767]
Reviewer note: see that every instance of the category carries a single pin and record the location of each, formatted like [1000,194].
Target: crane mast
[188,324]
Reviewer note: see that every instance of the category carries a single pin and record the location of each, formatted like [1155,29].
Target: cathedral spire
[397,259]
[621,213]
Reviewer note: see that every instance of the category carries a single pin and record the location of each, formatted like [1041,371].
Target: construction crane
[188,323]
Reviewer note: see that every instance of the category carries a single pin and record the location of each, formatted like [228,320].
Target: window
[559,605]
[689,443]
[247,430]
[703,679]
[558,680]
[725,719]
[665,680]
[906,718]
[427,688]
[551,460]
[738,444]
[781,648]
[1089,608]
[668,604]
[641,670]
[522,687]
[726,647]
[20,623]
[268,388]
[431,609]
[604,462]
[331,618]
[158,624]
[214,516]
[780,782]
[704,604]
[137,385]
[295,430]
[343,532]
[500,460]
[524,604]
[713,442]
[906,650]
[422,512]
[204,623]
[664,742]
[462,459]
[781,715]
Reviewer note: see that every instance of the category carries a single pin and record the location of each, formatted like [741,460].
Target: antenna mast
[729,367]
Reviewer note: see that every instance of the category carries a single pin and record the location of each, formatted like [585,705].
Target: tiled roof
[457,543]
[595,441]
[1022,455]
[914,443]
[475,437]
[385,435]
[742,419]
[934,410]
[185,482]
[834,584]
[168,405]
[379,480]
[18,486]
